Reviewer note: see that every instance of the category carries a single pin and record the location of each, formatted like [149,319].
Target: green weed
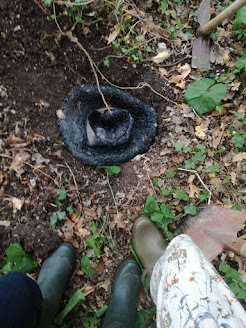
[60,215]
[18,260]
[233,278]
[96,240]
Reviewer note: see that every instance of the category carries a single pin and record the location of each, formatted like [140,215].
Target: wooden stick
[228,12]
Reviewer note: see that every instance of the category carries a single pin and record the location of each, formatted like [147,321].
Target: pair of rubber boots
[56,270]
[149,246]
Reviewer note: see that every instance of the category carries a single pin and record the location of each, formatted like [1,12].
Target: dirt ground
[37,70]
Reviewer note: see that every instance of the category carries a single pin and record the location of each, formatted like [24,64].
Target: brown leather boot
[148,242]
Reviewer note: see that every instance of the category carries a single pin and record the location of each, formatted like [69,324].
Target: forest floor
[38,67]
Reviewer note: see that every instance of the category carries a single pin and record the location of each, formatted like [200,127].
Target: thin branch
[198,176]
[75,182]
[61,3]
[79,45]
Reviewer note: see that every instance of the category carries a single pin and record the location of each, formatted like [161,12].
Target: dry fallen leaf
[162,56]
[239,157]
[60,114]
[17,203]
[184,70]
[4,223]
[14,140]
[200,132]
[39,159]
[113,35]
[18,162]
[217,135]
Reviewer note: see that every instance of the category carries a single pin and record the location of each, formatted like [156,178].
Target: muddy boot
[54,275]
[148,242]
[126,288]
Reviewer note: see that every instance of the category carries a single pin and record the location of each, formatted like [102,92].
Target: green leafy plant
[240,21]
[93,319]
[96,240]
[240,140]
[111,170]
[189,165]
[191,209]
[85,264]
[162,215]
[76,298]
[18,260]
[60,215]
[144,317]
[214,168]
[234,280]
[241,62]
[170,174]
[204,196]
[204,95]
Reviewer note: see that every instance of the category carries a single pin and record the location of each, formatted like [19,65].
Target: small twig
[44,10]
[69,35]
[74,181]
[60,3]
[198,176]
[175,63]
[79,45]
[78,76]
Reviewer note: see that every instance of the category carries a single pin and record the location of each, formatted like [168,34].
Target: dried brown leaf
[217,135]
[113,35]
[239,157]
[162,56]
[200,129]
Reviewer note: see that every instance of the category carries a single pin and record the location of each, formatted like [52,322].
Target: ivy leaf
[203,95]
[189,165]
[187,150]
[61,215]
[70,208]
[53,221]
[106,62]
[198,157]
[178,146]
[182,195]
[214,168]
[239,140]
[191,209]
[200,148]
[62,194]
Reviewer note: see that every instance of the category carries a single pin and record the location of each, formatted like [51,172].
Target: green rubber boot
[148,242]
[126,288]
[54,275]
